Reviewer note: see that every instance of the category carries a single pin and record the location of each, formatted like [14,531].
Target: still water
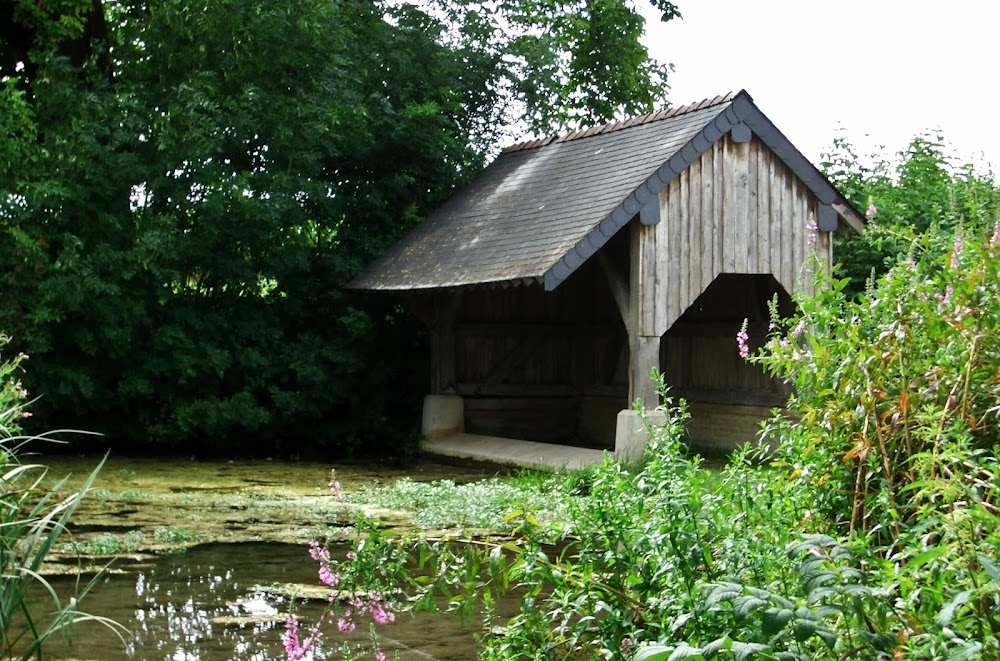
[206,604]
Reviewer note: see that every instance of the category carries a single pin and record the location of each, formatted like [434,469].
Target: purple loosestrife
[741,341]
[296,649]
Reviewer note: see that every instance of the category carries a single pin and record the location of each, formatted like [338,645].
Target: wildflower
[813,228]
[382,614]
[345,624]
[956,250]
[328,577]
[294,648]
[799,328]
[741,341]
[996,233]
[318,553]
[352,556]
[872,211]
[379,656]
[335,489]
[946,299]
[626,645]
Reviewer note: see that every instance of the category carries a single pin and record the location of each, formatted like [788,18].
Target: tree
[182,208]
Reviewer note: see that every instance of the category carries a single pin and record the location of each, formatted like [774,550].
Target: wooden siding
[736,209]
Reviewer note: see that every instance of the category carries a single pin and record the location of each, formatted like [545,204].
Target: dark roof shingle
[544,206]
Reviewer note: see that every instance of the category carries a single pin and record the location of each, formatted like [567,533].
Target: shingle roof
[543,207]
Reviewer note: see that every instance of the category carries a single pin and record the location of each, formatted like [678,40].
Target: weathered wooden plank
[787,278]
[642,286]
[740,176]
[764,169]
[752,242]
[664,277]
[707,219]
[719,209]
[443,343]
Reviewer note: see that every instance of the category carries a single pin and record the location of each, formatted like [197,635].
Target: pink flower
[956,250]
[379,656]
[813,228]
[328,577]
[352,556]
[345,624]
[337,492]
[294,648]
[872,211]
[741,341]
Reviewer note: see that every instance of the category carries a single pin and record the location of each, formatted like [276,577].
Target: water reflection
[205,605]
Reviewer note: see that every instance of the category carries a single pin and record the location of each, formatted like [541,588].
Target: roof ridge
[617,125]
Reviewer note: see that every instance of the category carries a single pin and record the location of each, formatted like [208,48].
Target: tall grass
[32,518]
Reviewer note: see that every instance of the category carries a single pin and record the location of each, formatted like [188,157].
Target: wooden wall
[543,366]
[737,209]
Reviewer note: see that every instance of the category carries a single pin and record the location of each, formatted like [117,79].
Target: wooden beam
[643,340]
[514,390]
[443,343]
[618,283]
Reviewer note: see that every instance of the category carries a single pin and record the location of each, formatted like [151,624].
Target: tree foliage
[920,188]
[186,187]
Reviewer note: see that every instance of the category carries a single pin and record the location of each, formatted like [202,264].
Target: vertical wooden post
[643,340]
[443,343]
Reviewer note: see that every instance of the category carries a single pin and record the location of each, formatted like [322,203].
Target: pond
[199,547]
[214,603]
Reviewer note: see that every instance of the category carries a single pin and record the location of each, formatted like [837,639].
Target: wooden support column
[443,343]
[643,339]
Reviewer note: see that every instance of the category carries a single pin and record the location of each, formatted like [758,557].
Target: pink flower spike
[379,656]
[741,341]
[872,211]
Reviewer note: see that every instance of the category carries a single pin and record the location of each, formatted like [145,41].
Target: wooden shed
[573,265]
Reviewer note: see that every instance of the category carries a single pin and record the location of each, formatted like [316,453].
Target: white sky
[883,70]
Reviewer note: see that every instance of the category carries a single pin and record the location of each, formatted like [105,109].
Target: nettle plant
[897,402]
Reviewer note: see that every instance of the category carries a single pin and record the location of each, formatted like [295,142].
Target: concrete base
[632,433]
[512,452]
[444,415]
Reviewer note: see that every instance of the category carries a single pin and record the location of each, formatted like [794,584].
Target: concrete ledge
[512,452]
